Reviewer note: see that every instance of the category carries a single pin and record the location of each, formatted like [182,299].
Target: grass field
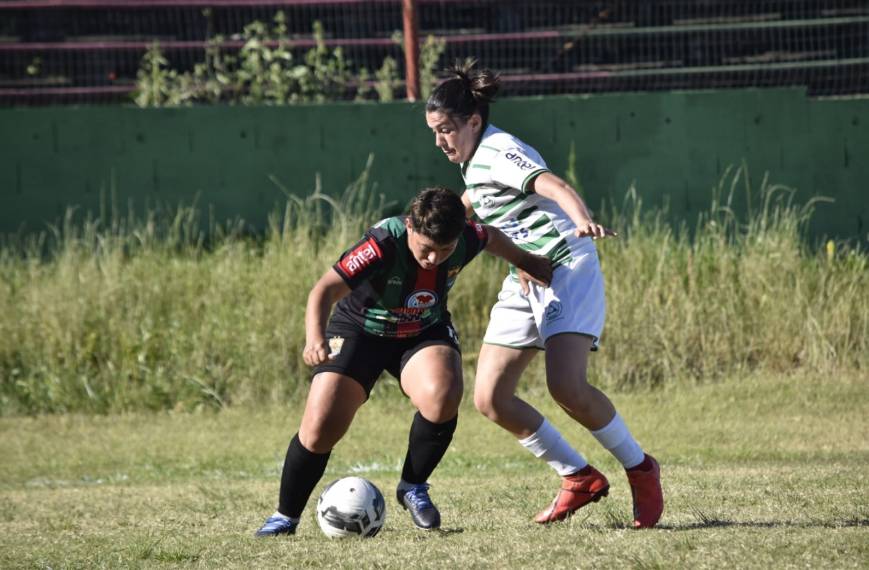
[759,471]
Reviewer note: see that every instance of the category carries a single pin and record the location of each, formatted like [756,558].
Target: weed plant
[158,313]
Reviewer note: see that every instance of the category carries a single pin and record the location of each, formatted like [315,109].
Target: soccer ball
[351,506]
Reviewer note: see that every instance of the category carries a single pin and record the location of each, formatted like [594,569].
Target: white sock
[547,444]
[617,439]
[283,516]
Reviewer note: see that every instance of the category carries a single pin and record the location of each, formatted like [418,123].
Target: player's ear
[475,122]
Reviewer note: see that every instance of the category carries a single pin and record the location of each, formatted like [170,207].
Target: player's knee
[441,403]
[574,396]
[489,405]
[318,440]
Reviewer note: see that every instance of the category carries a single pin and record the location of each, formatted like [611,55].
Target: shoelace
[418,495]
[275,523]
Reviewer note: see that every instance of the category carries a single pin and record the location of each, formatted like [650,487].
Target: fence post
[411,48]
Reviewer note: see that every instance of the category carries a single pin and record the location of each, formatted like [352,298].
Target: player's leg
[567,380]
[498,371]
[432,379]
[331,406]
[512,339]
[571,318]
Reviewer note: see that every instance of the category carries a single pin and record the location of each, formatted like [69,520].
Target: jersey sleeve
[516,169]
[365,259]
[476,237]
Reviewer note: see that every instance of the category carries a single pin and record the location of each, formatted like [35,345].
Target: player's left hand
[593,230]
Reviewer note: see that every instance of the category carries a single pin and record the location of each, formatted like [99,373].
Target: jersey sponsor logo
[360,258]
[519,161]
[394,281]
[422,299]
[407,315]
[514,230]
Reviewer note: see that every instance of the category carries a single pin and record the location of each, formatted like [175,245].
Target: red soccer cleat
[648,496]
[576,491]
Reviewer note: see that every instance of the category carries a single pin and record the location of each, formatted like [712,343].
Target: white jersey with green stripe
[497,179]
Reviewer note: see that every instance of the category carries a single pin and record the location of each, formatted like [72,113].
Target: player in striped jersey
[391,289]
[508,186]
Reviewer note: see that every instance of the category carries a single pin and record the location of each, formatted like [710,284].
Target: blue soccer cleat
[276,525]
[423,512]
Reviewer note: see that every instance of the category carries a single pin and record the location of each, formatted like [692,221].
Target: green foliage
[387,79]
[430,53]
[263,72]
[153,313]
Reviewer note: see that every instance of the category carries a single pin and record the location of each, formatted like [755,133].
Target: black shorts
[364,356]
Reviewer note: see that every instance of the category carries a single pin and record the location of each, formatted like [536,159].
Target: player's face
[456,138]
[428,253]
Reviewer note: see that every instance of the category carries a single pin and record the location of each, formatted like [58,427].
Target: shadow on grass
[726,523]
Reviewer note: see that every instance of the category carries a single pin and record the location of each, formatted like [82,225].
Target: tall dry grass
[158,313]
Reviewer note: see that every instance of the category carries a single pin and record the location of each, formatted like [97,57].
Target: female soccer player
[391,289]
[509,187]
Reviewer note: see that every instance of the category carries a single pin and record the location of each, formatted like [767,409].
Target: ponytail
[465,91]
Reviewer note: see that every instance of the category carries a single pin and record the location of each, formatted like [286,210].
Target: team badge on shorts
[553,311]
[422,299]
[335,344]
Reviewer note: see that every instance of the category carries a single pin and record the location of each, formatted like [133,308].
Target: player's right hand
[315,352]
[535,269]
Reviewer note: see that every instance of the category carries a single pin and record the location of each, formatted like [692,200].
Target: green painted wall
[673,145]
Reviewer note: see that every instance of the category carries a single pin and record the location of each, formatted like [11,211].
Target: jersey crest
[422,299]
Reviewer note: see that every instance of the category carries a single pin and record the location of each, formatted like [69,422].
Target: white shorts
[574,303]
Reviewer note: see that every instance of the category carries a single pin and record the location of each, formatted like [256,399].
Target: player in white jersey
[509,186]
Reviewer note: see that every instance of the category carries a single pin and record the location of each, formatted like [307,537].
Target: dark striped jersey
[392,295]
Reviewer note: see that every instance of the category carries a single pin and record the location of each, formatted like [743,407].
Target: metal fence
[89,51]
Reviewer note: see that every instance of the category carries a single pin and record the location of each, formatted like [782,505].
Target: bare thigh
[432,379]
[331,406]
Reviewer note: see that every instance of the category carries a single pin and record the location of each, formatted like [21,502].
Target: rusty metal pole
[411,48]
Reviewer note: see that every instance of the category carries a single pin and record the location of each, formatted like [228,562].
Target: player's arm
[325,293]
[551,186]
[537,267]
[469,209]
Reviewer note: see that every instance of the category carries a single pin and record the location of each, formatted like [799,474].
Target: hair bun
[483,84]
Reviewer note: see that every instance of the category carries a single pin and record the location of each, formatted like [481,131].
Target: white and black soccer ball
[351,506]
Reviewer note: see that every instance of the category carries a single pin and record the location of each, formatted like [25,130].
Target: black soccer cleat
[423,512]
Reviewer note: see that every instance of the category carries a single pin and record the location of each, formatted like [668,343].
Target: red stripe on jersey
[408,329]
[426,280]
[359,258]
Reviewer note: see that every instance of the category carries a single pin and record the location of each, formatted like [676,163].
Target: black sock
[302,470]
[425,447]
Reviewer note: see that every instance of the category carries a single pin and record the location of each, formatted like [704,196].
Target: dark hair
[465,91]
[438,214]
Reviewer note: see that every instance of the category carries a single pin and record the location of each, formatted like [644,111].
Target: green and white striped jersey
[497,178]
